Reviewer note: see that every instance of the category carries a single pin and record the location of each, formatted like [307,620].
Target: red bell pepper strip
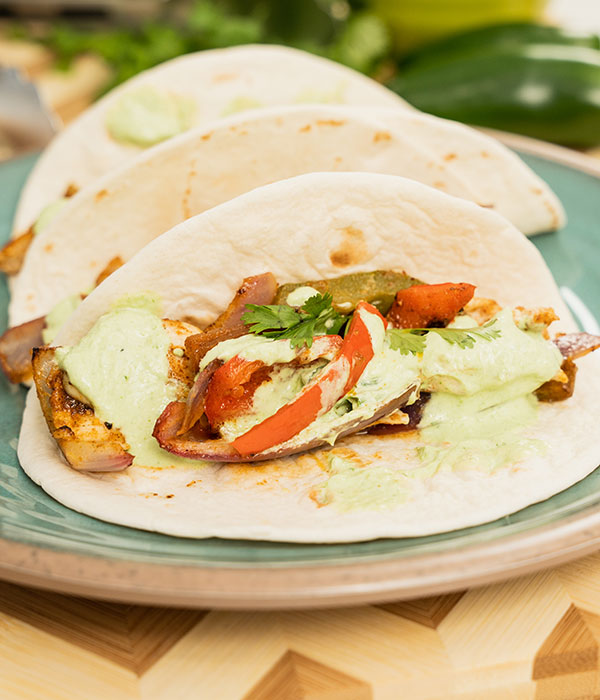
[322,393]
[232,387]
[425,305]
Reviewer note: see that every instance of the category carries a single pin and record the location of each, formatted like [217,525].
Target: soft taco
[212,164]
[174,96]
[300,412]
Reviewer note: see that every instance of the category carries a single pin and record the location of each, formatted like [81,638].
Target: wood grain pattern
[533,638]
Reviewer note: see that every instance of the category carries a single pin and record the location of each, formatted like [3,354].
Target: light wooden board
[535,637]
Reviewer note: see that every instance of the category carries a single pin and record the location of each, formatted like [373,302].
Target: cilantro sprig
[318,317]
[315,317]
[411,341]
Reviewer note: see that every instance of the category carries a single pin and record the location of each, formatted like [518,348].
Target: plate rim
[320,584]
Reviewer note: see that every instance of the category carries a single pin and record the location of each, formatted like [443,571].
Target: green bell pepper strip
[546,91]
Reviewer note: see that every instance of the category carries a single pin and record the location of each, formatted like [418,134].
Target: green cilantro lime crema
[482,399]
[146,116]
[56,318]
[48,213]
[241,104]
[314,95]
[121,366]
[300,295]
[352,487]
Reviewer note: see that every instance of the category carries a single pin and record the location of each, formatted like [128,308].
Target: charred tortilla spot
[224,77]
[305,128]
[450,156]
[101,195]
[331,122]
[382,136]
[112,265]
[352,249]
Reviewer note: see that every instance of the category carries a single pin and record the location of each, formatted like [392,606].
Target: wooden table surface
[533,637]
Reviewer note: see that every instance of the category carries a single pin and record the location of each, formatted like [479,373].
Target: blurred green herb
[326,27]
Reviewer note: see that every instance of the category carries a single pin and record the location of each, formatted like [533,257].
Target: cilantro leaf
[412,340]
[405,341]
[316,317]
[318,303]
[269,317]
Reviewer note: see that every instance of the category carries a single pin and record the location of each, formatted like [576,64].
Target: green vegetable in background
[515,35]
[548,91]
[359,39]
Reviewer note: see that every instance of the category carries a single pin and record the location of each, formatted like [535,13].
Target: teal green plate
[44,544]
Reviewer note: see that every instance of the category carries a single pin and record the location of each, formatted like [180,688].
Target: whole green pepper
[515,34]
[550,92]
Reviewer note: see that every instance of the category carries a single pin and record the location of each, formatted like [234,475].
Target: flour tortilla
[269,75]
[312,226]
[126,209]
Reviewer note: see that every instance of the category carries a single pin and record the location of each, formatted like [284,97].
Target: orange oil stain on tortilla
[206,137]
[331,122]
[313,494]
[49,247]
[224,77]
[349,454]
[382,136]
[352,249]
[101,195]
[308,462]
[305,128]
[149,468]
[185,202]
[450,156]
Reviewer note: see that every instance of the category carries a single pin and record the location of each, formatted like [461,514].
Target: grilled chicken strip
[87,443]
